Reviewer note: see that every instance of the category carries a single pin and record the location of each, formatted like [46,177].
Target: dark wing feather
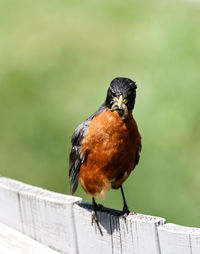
[137,156]
[76,157]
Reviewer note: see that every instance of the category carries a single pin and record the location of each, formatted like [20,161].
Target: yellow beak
[120,101]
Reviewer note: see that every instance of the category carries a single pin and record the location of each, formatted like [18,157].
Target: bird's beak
[120,107]
[120,101]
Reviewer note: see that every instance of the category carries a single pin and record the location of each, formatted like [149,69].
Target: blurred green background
[57,59]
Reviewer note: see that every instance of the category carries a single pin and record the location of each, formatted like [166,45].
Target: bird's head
[121,96]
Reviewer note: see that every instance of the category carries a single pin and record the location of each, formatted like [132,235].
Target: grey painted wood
[175,239]
[43,215]
[137,234]
[10,213]
[63,223]
[14,242]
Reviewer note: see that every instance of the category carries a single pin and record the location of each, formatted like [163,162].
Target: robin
[106,146]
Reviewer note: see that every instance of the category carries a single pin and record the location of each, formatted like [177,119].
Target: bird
[106,147]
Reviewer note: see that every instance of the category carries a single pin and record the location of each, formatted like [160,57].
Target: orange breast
[109,146]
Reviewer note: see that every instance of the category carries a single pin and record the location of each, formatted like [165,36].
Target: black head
[121,87]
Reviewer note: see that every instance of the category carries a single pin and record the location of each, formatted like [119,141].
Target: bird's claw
[126,210]
[125,214]
[94,218]
[96,221]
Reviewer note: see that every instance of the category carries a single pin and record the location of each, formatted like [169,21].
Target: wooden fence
[34,220]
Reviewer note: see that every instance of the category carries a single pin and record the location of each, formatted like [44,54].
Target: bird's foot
[125,212]
[96,221]
[125,209]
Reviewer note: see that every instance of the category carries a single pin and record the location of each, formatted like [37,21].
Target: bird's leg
[94,215]
[125,207]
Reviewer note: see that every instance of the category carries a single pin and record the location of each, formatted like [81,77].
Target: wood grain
[14,242]
[176,239]
[137,234]
[43,215]
[63,223]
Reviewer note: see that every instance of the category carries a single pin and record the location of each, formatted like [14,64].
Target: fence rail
[62,224]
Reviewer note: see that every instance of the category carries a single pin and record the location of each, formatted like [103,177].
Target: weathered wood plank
[43,215]
[64,224]
[10,213]
[89,239]
[175,239]
[195,241]
[14,242]
[137,234]
[145,233]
